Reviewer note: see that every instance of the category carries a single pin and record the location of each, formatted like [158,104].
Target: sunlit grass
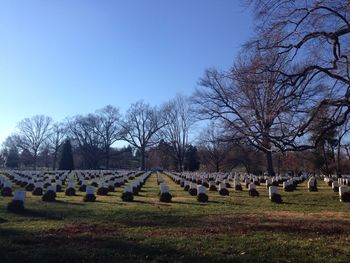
[307,227]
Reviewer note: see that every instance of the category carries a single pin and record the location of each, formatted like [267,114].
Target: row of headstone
[191,187]
[134,187]
[339,184]
[47,184]
[222,183]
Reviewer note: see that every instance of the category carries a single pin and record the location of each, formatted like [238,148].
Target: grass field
[307,227]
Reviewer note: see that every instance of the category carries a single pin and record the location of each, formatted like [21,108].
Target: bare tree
[315,37]
[214,148]
[180,118]
[108,127]
[81,129]
[342,132]
[32,133]
[56,139]
[140,127]
[254,103]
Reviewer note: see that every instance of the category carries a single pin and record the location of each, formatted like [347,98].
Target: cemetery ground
[306,227]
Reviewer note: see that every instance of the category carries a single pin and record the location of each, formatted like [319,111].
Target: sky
[61,58]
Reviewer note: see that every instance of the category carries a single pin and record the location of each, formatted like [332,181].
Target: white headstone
[7,184]
[51,188]
[164,188]
[19,196]
[128,188]
[71,184]
[201,189]
[222,186]
[39,184]
[311,183]
[90,190]
[273,190]
[251,186]
[342,190]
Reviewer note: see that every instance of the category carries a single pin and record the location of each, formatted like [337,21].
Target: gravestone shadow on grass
[84,249]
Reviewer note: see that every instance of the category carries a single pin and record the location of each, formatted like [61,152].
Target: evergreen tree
[12,160]
[191,159]
[66,162]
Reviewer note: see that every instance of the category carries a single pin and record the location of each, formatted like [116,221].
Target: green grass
[307,227]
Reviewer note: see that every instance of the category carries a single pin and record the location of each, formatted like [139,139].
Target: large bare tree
[33,133]
[254,103]
[315,37]
[180,118]
[108,128]
[140,127]
[81,129]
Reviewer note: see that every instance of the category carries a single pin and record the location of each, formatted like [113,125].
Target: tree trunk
[54,160]
[325,159]
[107,158]
[34,161]
[180,163]
[268,153]
[247,168]
[269,163]
[338,157]
[143,159]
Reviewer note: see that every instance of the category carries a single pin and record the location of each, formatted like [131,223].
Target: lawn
[307,227]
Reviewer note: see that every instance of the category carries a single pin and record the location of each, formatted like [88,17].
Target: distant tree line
[38,141]
[282,106]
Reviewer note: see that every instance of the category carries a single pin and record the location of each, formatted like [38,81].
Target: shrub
[253,193]
[89,198]
[37,191]
[276,198]
[70,191]
[238,187]
[345,197]
[102,191]
[213,188]
[203,198]
[127,197]
[136,190]
[49,196]
[30,187]
[82,188]
[6,191]
[165,197]
[224,191]
[193,191]
[289,188]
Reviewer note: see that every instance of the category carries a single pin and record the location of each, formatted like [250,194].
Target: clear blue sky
[66,57]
